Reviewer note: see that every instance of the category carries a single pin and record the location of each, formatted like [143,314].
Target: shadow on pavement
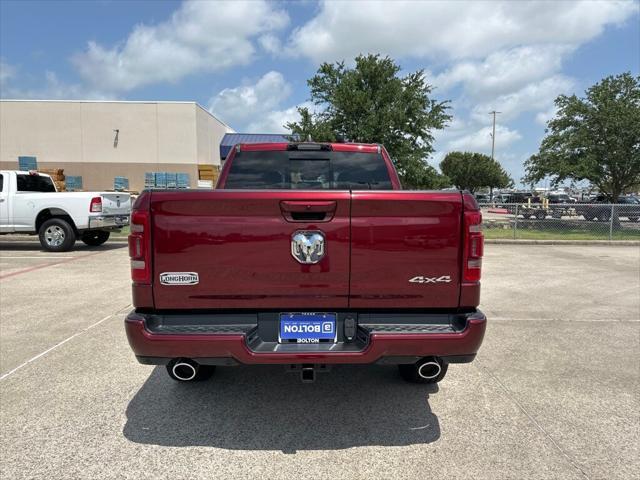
[264,408]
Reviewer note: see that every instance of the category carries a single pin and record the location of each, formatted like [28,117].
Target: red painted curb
[498,210]
[44,265]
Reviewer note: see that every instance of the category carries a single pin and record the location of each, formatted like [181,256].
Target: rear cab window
[34,183]
[308,170]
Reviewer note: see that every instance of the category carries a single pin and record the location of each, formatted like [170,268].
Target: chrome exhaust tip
[429,369]
[184,371]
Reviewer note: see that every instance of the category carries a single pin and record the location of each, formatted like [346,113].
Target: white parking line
[510,395]
[49,264]
[11,372]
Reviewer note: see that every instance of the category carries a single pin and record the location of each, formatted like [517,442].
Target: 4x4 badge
[441,279]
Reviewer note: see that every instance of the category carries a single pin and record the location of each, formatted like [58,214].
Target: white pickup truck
[30,203]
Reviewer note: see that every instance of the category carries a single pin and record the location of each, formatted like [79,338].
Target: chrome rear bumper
[108,221]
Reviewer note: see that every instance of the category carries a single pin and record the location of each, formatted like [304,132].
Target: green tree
[471,171]
[309,128]
[418,174]
[371,103]
[595,138]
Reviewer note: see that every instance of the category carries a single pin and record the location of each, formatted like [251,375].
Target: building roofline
[55,100]
[260,134]
[150,102]
[216,118]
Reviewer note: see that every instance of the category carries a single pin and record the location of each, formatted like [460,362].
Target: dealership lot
[554,392]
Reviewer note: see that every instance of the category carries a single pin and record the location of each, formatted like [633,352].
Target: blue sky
[248,62]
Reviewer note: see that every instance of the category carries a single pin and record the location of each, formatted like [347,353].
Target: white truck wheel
[56,235]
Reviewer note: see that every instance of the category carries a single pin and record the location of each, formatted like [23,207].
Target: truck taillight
[95,205]
[473,246]
[140,247]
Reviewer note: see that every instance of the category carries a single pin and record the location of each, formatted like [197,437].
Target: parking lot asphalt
[554,392]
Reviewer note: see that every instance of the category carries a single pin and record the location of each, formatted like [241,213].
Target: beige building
[101,140]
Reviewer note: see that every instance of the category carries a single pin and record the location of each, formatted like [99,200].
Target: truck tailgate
[406,249]
[115,203]
[383,249]
[239,243]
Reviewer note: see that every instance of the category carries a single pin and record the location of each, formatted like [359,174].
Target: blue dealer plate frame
[307,327]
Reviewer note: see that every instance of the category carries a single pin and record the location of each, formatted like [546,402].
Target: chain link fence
[562,221]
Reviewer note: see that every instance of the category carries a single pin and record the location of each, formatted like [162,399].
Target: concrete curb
[506,241]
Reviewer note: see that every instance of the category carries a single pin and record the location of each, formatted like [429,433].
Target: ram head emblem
[307,247]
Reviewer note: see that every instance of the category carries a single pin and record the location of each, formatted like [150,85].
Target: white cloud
[450,30]
[251,104]
[456,128]
[505,70]
[533,97]
[543,117]
[505,55]
[274,121]
[51,87]
[258,107]
[270,44]
[480,140]
[200,36]
[7,73]
[54,88]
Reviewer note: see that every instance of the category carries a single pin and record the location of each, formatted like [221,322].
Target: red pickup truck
[306,255]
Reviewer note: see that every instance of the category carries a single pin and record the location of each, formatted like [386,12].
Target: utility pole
[493,146]
[493,135]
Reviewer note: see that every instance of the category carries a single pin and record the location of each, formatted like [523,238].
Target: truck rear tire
[57,235]
[94,238]
[411,372]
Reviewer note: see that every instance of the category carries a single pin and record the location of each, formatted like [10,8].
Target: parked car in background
[501,198]
[523,203]
[629,207]
[557,198]
[483,197]
[520,197]
[306,255]
[30,204]
[601,209]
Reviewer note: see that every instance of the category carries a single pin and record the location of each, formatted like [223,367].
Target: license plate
[307,327]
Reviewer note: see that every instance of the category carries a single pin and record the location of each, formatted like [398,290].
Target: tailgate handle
[306,211]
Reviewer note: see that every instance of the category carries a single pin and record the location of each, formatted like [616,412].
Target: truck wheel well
[49,213]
